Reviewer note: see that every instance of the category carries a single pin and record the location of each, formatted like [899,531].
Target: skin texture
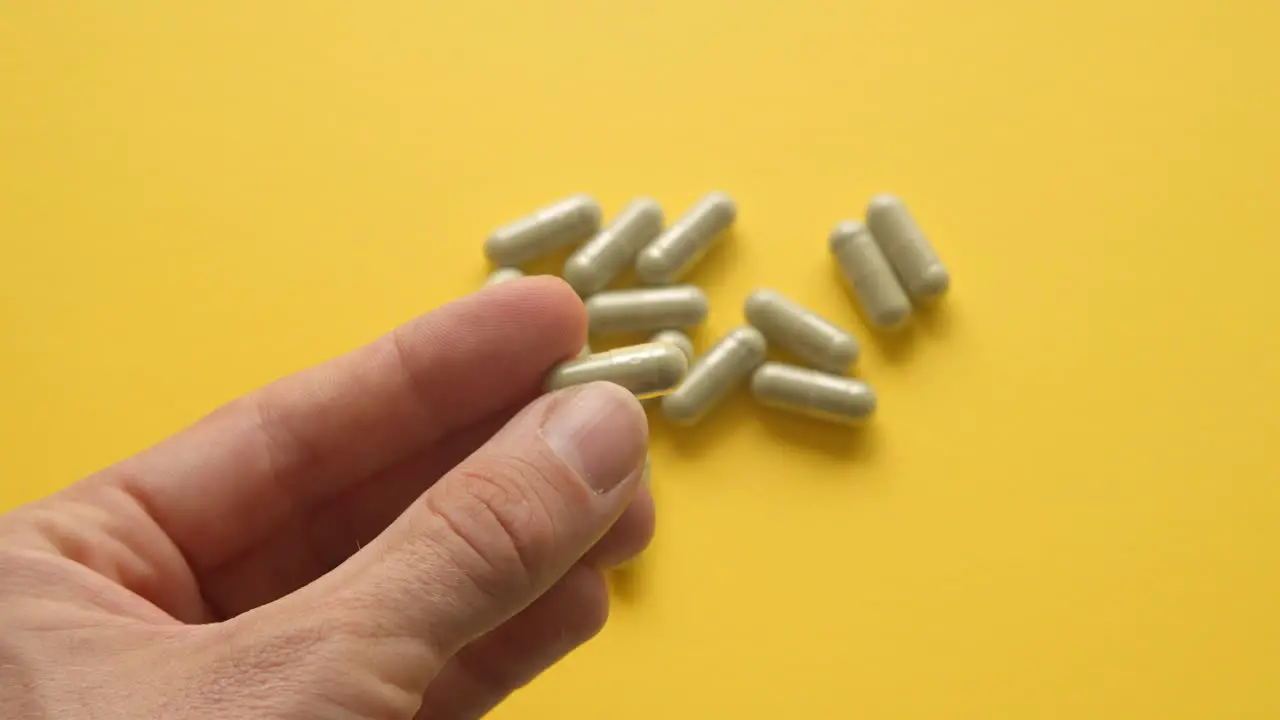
[408,531]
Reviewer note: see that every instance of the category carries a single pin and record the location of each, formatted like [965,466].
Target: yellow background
[1068,506]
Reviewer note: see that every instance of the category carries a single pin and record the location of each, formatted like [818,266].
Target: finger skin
[485,672]
[268,458]
[496,532]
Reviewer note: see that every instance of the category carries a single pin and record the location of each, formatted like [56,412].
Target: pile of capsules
[888,263]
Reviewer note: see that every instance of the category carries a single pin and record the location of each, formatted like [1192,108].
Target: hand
[407,531]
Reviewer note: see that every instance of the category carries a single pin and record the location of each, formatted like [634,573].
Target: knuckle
[501,512]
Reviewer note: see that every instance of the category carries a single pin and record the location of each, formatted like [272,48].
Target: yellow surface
[1068,505]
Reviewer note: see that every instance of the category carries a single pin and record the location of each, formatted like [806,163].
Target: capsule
[594,265]
[646,310]
[876,288]
[675,251]
[646,370]
[567,222]
[677,338]
[908,250]
[813,393]
[645,476]
[503,274]
[715,375]
[803,332]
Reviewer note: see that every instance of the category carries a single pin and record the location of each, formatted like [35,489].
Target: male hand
[408,531]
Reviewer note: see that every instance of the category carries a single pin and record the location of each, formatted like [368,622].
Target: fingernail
[600,432]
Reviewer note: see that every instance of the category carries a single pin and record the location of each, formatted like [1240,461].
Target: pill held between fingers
[874,284]
[680,246]
[789,325]
[503,274]
[677,338]
[813,393]
[646,309]
[715,375]
[567,222]
[646,370]
[907,249]
[594,265]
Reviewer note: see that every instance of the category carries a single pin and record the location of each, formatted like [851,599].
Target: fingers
[628,537]
[485,672]
[265,460]
[495,533]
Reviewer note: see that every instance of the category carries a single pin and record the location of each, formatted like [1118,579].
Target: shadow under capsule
[846,442]
[708,434]
[628,583]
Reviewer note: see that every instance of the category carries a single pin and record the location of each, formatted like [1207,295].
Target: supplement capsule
[671,255]
[603,257]
[646,370]
[813,393]
[677,338]
[646,309]
[646,478]
[803,332]
[503,274]
[715,375]
[882,299]
[567,222]
[908,250]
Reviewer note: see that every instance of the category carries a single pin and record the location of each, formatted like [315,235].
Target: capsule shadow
[847,442]
[629,581]
[936,319]
[709,434]
[714,268]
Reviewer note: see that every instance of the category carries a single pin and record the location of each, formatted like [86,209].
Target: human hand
[407,531]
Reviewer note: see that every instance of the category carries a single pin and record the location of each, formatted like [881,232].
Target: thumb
[498,530]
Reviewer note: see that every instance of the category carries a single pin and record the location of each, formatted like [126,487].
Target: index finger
[219,486]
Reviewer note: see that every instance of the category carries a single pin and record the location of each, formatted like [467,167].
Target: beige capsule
[677,249]
[602,258]
[567,222]
[503,274]
[677,338]
[874,284]
[645,310]
[715,375]
[813,393]
[793,327]
[646,370]
[908,250]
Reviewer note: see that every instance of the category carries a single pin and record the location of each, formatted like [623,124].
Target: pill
[874,284]
[789,325]
[503,274]
[677,338]
[907,249]
[594,265]
[676,250]
[813,393]
[585,351]
[646,370]
[715,375]
[567,222]
[645,477]
[646,310]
